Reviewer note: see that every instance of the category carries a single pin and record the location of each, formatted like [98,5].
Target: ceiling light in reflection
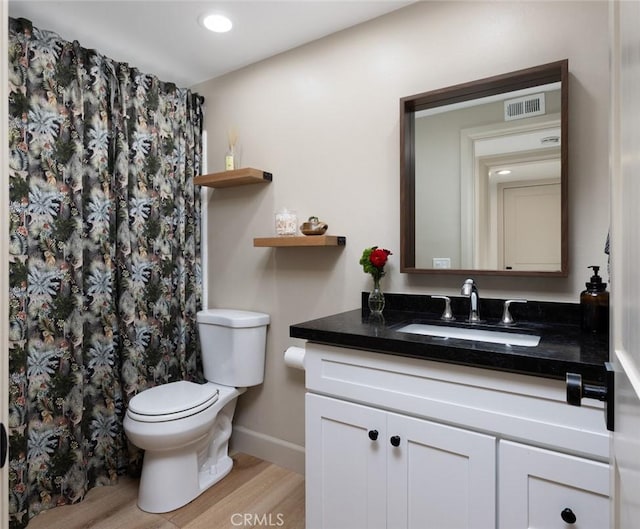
[217,23]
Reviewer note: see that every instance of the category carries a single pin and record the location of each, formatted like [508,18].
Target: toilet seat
[172,401]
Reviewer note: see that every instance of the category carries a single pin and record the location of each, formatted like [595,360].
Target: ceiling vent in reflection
[524,107]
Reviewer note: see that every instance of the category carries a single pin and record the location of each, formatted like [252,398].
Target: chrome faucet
[470,290]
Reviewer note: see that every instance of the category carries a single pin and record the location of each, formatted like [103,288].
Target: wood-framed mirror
[483,176]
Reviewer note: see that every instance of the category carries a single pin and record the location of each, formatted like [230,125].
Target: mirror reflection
[483,176]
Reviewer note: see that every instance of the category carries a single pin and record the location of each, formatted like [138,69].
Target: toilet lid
[175,398]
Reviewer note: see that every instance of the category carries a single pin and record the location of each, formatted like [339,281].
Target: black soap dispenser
[594,304]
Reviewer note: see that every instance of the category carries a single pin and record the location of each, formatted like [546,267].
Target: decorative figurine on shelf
[373,260]
[313,227]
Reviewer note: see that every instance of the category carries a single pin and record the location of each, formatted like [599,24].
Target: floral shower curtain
[105,276]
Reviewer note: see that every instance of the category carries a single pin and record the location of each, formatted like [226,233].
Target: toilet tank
[233,344]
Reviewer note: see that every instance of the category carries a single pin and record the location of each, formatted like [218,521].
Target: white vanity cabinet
[543,488]
[345,470]
[374,469]
[475,448]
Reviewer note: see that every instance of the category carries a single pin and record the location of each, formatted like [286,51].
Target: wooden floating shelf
[297,241]
[236,177]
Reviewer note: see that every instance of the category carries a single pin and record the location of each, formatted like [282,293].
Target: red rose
[379,257]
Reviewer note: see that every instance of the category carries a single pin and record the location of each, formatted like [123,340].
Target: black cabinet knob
[395,440]
[568,516]
[373,435]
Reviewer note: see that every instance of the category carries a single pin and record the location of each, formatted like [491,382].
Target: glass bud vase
[376,298]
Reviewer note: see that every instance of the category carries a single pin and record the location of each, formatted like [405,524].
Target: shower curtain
[105,277]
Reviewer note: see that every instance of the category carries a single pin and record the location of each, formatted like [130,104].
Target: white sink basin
[477,335]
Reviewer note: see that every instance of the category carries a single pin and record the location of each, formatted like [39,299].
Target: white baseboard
[276,451]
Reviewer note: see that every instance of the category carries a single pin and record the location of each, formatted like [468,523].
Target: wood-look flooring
[254,494]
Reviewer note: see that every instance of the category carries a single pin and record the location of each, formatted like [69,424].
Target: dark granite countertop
[563,347]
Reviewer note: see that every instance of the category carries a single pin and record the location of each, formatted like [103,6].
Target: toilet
[184,427]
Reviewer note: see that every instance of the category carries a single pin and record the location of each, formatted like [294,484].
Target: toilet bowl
[184,427]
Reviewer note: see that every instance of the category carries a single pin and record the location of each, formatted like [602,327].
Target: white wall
[324,119]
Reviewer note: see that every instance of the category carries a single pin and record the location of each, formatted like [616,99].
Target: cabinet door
[440,477]
[544,489]
[345,467]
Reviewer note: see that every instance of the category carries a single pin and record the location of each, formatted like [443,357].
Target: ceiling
[165,38]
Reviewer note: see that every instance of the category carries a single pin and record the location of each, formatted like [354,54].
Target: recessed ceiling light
[504,172]
[217,23]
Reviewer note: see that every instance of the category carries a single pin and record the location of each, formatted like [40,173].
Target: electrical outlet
[441,262]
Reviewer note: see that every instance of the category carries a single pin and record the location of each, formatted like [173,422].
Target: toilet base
[172,478]
[159,496]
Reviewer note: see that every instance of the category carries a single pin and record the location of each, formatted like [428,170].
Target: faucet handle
[507,319]
[447,315]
